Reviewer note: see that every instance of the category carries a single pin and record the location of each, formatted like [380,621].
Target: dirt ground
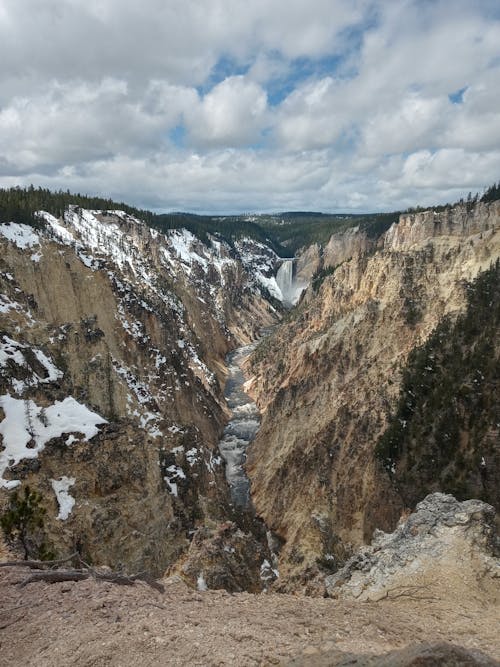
[97,624]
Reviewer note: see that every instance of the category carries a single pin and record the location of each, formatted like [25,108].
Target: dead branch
[85,572]
[55,576]
[38,564]
[150,582]
[407,592]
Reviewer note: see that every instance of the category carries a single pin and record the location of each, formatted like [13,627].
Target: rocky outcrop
[344,245]
[445,545]
[308,262]
[327,380]
[341,247]
[459,221]
[443,435]
[226,558]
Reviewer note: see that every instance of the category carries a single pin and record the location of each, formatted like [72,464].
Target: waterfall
[284,278]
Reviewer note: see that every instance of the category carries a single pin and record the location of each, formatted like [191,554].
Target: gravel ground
[93,623]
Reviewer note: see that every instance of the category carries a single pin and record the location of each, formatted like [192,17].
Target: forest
[444,433]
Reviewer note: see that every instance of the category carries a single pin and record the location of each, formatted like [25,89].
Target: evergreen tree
[23,518]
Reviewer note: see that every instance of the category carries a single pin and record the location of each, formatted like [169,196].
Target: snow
[268,572]
[87,260]
[192,456]
[53,372]
[181,241]
[6,304]
[12,350]
[58,230]
[9,350]
[25,424]
[22,235]
[201,584]
[271,285]
[174,474]
[66,501]
[176,471]
[172,486]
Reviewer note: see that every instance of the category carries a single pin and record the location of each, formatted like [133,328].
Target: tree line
[21,204]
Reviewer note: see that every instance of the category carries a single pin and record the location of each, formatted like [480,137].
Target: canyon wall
[328,379]
[112,344]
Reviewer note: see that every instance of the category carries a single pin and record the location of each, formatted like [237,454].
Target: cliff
[329,378]
[112,345]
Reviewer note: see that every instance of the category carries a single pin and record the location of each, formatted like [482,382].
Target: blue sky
[256,105]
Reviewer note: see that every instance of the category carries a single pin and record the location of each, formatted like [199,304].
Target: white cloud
[178,41]
[414,123]
[312,116]
[447,167]
[233,113]
[74,122]
[92,91]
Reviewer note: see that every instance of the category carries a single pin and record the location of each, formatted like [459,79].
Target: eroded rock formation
[444,545]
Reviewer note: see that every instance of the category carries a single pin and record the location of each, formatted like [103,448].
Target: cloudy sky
[252,105]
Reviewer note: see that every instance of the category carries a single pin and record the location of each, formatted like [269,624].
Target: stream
[241,428]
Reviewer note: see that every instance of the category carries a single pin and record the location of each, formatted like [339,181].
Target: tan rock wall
[328,379]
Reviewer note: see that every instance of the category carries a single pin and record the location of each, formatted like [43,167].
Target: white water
[284,278]
[241,429]
[289,287]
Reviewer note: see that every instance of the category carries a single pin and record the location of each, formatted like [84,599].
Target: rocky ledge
[445,545]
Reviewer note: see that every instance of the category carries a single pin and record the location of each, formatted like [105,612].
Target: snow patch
[201,584]
[192,456]
[22,235]
[27,428]
[66,501]
[14,351]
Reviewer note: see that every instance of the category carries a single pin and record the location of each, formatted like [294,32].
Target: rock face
[343,246]
[112,345]
[460,221]
[226,558]
[308,262]
[445,545]
[443,434]
[327,380]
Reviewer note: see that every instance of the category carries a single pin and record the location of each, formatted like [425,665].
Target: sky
[233,106]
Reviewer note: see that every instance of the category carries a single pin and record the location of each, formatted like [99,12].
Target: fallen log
[55,576]
[59,575]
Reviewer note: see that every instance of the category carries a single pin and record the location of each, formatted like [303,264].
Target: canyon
[215,415]
[134,326]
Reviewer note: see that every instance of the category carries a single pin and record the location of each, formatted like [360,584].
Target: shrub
[23,519]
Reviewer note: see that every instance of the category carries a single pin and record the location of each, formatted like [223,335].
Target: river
[241,428]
